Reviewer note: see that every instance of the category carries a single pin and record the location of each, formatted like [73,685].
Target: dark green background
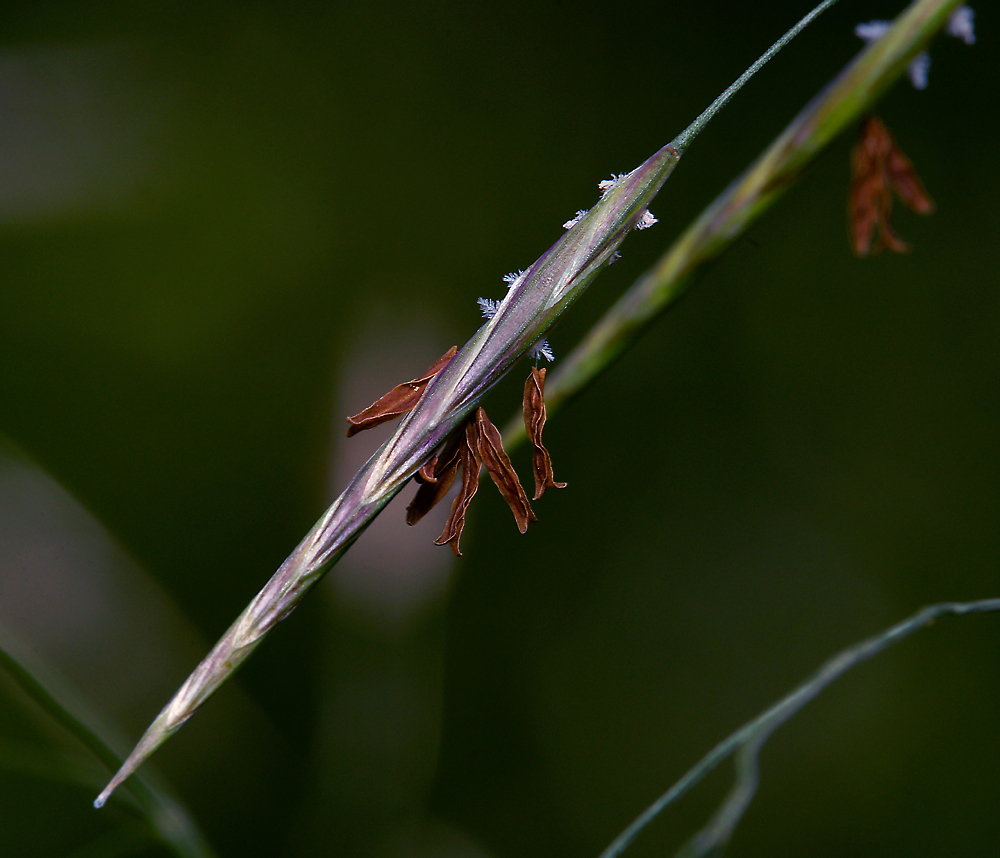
[222,220]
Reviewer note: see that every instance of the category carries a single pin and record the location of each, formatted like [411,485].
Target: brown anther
[534,422]
[470,482]
[426,473]
[479,445]
[879,168]
[402,398]
[500,469]
[435,478]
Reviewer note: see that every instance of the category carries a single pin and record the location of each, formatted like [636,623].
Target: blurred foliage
[223,225]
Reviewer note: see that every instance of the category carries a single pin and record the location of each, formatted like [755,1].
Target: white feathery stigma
[919,67]
[513,278]
[488,307]
[606,185]
[573,221]
[872,31]
[647,220]
[542,349]
[961,24]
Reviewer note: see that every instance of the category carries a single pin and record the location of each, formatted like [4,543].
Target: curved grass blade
[168,821]
[748,740]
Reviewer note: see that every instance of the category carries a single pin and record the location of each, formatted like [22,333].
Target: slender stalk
[688,134]
[839,104]
[533,303]
[168,820]
[751,736]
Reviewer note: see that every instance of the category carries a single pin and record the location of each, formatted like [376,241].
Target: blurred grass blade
[169,821]
[122,841]
[747,741]
[533,302]
[746,199]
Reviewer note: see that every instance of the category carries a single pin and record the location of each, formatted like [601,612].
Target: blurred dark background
[224,226]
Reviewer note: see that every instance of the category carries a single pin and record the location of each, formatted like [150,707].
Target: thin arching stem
[752,735]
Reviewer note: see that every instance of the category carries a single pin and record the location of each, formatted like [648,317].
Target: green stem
[751,736]
[682,140]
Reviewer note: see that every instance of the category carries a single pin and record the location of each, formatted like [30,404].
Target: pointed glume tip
[113,784]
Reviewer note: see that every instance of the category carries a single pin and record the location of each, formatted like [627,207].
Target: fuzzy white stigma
[961,25]
[513,278]
[606,185]
[919,67]
[573,221]
[542,349]
[872,31]
[488,307]
[646,221]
